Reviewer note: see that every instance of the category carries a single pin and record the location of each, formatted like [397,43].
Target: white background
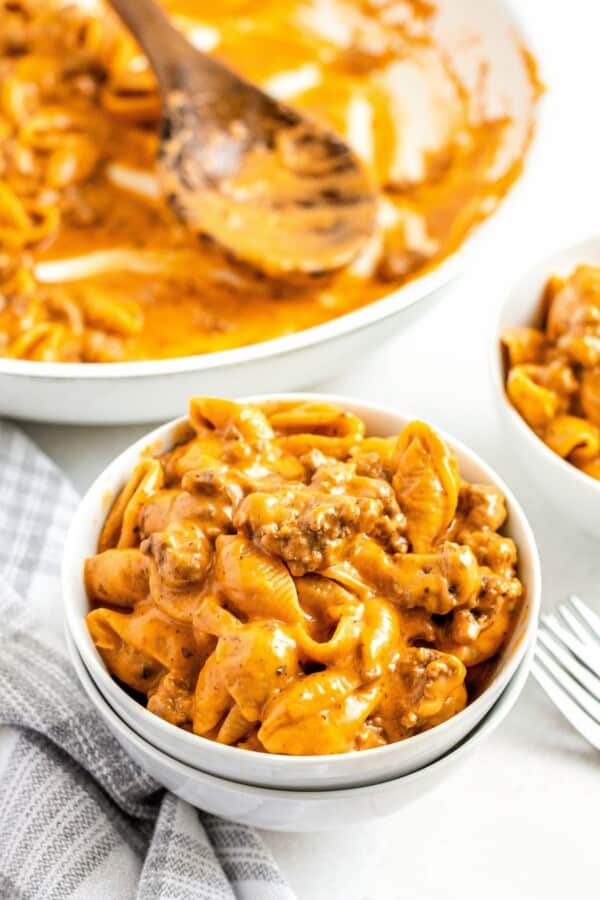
[521,820]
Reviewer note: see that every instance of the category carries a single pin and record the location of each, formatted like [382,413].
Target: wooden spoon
[271,187]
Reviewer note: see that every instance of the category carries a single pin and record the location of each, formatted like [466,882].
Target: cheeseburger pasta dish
[553,376]
[94,267]
[280,581]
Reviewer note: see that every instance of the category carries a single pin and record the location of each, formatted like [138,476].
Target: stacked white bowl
[293,793]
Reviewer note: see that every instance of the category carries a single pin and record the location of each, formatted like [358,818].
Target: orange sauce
[78,119]
[281,582]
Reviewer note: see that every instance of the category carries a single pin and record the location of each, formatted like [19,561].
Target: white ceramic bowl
[294,772]
[296,810]
[564,486]
[155,390]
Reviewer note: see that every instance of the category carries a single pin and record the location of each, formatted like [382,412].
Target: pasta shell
[381,637]
[211,618]
[26,222]
[72,162]
[565,297]
[426,483]
[247,421]
[131,94]
[252,742]
[129,664]
[436,581]
[537,404]
[47,341]
[211,698]
[556,375]
[322,598]
[256,662]
[573,438]
[169,644]
[47,129]
[257,586]
[19,96]
[308,426]
[309,417]
[308,696]
[581,346]
[590,395]
[212,512]
[118,315]
[453,704]
[202,454]
[234,727]
[302,444]
[524,345]
[180,605]
[346,574]
[374,457]
[340,647]
[120,528]
[117,577]
[12,211]
[322,713]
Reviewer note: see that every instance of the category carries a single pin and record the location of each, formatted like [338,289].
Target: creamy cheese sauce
[95,267]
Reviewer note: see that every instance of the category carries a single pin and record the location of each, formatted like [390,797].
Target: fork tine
[588,654]
[588,615]
[568,683]
[570,710]
[579,630]
[570,663]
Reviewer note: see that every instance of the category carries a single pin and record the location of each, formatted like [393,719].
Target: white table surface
[521,820]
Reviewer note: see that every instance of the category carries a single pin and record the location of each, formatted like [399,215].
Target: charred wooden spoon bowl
[269,186]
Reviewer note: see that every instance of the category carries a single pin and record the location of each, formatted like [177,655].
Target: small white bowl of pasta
[297,811]
[314,770]
[545,370]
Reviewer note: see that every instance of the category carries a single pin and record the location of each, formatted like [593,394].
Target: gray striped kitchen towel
[78,818]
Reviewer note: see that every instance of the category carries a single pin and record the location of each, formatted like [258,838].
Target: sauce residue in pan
[94,266]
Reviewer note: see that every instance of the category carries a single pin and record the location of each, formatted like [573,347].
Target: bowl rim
[78,630]
[485,727]
[543,263]
[403,297]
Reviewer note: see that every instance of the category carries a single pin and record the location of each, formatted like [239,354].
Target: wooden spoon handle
[168,51]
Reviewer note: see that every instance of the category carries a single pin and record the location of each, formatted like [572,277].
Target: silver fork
[567,665]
